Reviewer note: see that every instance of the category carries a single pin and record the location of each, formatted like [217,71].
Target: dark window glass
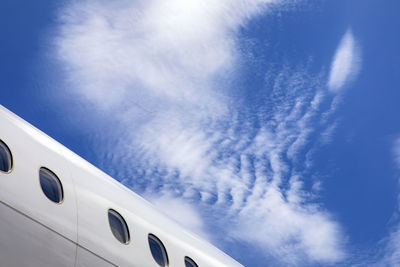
[51,185]
[5,158]
[158,251]
[118,226]
[190,263]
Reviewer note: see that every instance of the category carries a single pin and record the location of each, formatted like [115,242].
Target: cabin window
[51,185]
[189,262]
[118,226]
[5,158]
[158,251]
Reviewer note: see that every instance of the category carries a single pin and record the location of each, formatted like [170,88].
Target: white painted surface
[26,243]
[88,194]
[85,258]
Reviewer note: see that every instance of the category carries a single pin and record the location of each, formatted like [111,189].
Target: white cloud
[150,51]
[181,211]
[298,230]
[391,255]
[155,67]
[248,176]
[346,62]
[392,250]
[396,152]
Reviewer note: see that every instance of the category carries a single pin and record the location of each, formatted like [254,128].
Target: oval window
[51,185]
[5,158]
[158,251]
[189,262]
[118,226]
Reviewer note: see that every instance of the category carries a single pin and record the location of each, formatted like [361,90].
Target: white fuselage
[35,231]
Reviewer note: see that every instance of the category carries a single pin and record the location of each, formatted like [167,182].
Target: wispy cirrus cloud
[148,50]
[391,253]
[396,152]
[391,256]
[157,68]
[346,62]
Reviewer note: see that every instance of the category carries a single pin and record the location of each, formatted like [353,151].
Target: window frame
[11,157]
[124,223]
[53,175]
[191,261]
[161,245]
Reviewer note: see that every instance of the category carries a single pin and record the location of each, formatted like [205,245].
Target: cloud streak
[346,62]
[157,68]
[391,255]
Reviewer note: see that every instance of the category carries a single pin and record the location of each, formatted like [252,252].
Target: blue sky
[270,128]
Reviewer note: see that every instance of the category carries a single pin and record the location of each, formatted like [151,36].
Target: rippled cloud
[240,173]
